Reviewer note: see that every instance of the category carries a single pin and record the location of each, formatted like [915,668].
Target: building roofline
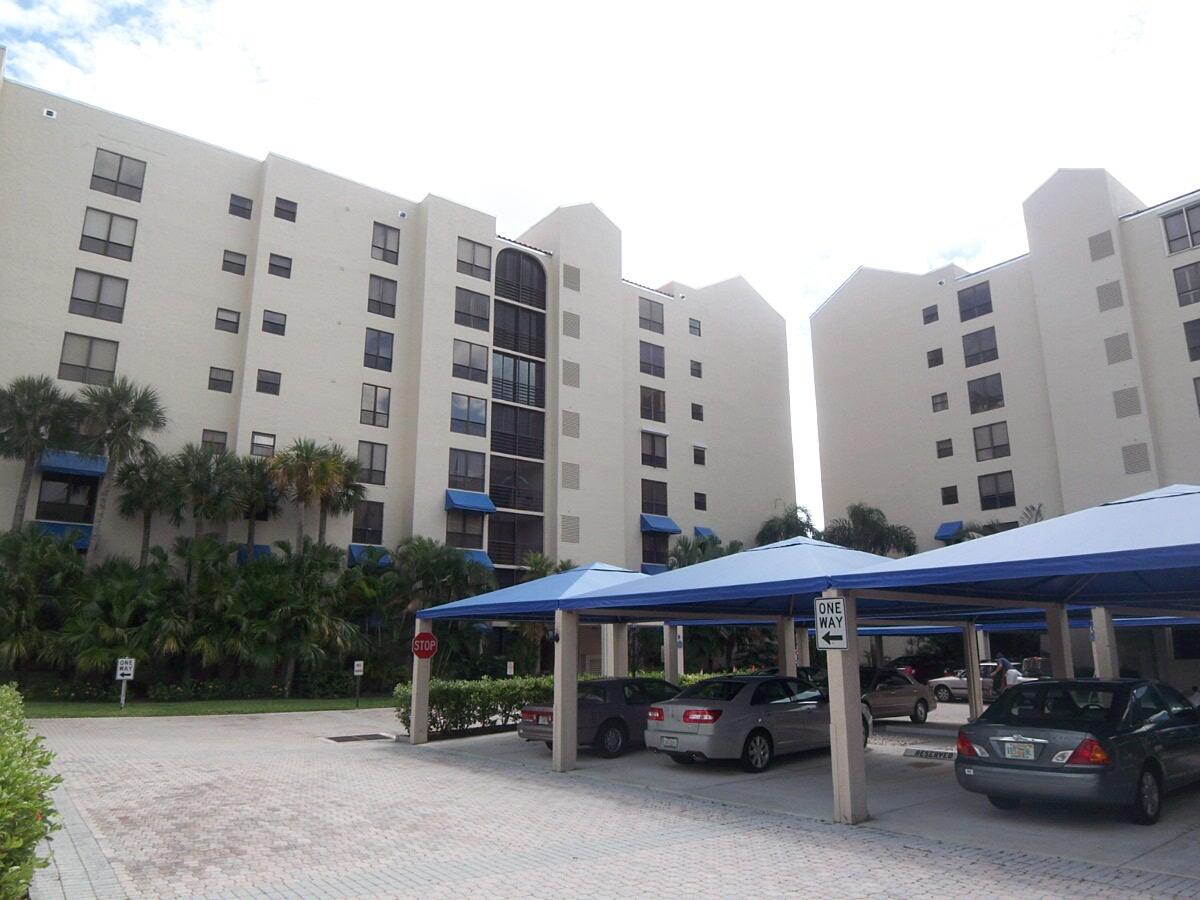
[1157,206]
[523,245]
[645,287]
[993,266]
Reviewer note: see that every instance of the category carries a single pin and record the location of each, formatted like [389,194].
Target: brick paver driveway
[262,806]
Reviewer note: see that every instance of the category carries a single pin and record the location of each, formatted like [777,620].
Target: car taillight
[528,715]
[701,716]
[654,714]
[1089,753]
[965,747]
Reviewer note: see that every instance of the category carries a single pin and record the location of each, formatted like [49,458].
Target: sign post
[510,668]
[830,621]
[125,674]
[358,673]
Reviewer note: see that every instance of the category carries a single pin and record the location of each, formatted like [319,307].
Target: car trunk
[542,715]
[673,714]
[1028,746]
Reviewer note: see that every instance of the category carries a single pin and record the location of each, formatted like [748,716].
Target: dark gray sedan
[612,713]
[1122,742]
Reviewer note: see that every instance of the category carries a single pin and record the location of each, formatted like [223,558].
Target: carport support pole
[418,723]
[785,641]
[803,651]
[1058,629]
[671,662]
[1104,644]
[983,643]
[845,724]
[1164,653]
[566,688]
[608,652]
[619,649]
[974,686]
[877,651]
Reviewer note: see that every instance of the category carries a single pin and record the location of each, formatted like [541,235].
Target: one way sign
[831,623]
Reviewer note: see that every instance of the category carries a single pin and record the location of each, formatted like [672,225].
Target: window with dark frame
[286,209]
[368,523]
[513,536]
[979,347]
[654,404]
[700,456]
[950,495]
[466,470]
[516,483]
[1191,334]
[655,548]
[698,412]
[474,259]
[89,360]
[470,361]
[929,314]
[385,243]
[97,295]
[274,322]
[654,497]
[518,430]
[213,441]
[377,350]
[985,393]
[697,369]
[654,450]
[220,380]
[996,491]
[262,443]
[1187,284]
[381,296]
[228,320]
[375,406]
[694,327]
[974,301]
[518,380]
[941,402]
[1182,228]
[268,382]
[519,276]
[471,308]
[991,441]
[372,462]
[233,262]
[700,501]
[67,498]
[520,330]
[279,265]
[464,529]
[650,315]
[108,234]
[945,447]
[652,360]
[468,415]
[933,358]
[121,176]
[242,207]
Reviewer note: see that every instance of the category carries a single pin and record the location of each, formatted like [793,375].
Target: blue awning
[659,524]
[472,501]
[63,530]
[479,556]
[654,569]
[947,530]
[703,531]
[260,551]
[68,462]
[355,554]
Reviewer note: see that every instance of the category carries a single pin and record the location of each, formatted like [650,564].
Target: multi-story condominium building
[504,395]
[1066,377]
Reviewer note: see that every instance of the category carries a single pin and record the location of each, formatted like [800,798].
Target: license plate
[543,720]
[668,743]
[1018,751]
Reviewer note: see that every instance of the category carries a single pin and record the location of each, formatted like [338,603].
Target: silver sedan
[749,717]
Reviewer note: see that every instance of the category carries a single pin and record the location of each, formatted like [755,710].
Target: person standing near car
[1012,676]
[1000,677]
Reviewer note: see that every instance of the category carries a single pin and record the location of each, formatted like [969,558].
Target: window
[243,207]
[654,404]
[385,243]
[1191,333]
[979,347]
[934,358]
[99,296]
[220,380]
[650,315]
[376,405]
[466,470]
[698,412]
[476,259]
[108,234]
[67,498]
[87,359]
[468,415]
[1187,284]
[228,320]
[518,380]
[213,441]
[694,327]
[991,441]
[516,483]
[368,522]
[950,495]
[464,529]
[700,456]
[518,430]
[701,500]
[262,444]
[470,361]
[929,314]
[996,491]
[985,393]
[268,381]
[234,262]
[654,497]
[120,175]
[381,296]
[519,276]
[285,209]
[512,537]
[653,360]
[519,329]
[945,447]
[656,549]
[274,322]
[974,302]
[1183,228]
[377,350]
[372,462]
[279,265]
[654,450]
[697,369]
[471,308]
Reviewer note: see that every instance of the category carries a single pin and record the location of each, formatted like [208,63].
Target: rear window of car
[713,690]
[592,692]
[1056,705]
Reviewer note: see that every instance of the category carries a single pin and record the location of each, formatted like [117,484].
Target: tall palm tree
[794,521]
[207,479]
[116,420]
[36,570]
[304,475]
[341,491]
[867,528]
[149,486]
[34,416]
[254,493]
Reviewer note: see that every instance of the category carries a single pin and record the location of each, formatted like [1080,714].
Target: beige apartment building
[1066,377]
[506,395]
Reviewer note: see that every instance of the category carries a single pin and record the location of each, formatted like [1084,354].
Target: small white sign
[125,668]
[830,621]
[358,668]
[511,668]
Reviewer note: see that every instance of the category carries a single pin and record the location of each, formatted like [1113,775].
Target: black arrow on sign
[829,637]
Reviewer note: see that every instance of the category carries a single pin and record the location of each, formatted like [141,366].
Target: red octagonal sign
[424,645]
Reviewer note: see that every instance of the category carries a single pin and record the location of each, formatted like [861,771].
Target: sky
[786,142]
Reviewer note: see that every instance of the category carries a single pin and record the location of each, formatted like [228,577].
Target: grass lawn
[69,710]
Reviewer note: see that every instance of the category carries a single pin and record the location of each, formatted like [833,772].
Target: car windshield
[1056,705]
[713,690]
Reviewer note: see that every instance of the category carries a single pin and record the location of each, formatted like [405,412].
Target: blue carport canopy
[471,501]
[67,462]
[948,530]
[660,524]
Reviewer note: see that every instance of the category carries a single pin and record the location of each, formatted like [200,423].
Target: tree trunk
[321,522]
[197,527]
[250,529]
[101,504]
[300,527]
[147,517]
[23,493]
[289,670]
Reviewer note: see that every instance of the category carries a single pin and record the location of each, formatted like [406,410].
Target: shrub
[26,815]
[459,705]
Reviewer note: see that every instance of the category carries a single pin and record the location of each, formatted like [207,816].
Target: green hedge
[26,816]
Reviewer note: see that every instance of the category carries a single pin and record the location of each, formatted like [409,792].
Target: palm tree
[34,416]
[867,528]
[342,490]
[116,419]
[149,486]
[689,551]
[794,521]
[253,493]
[304,475]
[207,479]
[1032,513]
[107,621]
[969,531]
[36,571]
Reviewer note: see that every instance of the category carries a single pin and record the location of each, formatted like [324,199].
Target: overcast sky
[787,142]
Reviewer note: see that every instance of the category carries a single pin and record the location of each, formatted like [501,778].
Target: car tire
[920,712]
[1003,802]
[866,731]
[757,752]
[1147,798]
[943,694]
[611,740]
[682,758]
[549,745]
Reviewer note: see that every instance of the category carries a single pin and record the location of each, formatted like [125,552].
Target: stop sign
[424,645]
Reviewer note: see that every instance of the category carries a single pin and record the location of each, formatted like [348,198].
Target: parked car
[753,718]
[1121,741]
[887,692]
[954,687]
[612,713]
[922,667]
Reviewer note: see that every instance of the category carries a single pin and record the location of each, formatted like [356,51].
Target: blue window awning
[472,501]
[659,524]
[356,553]
[481,557]
[654,568]
[260,551]
[68,462]
[63,530]
[948,530]
[703,531]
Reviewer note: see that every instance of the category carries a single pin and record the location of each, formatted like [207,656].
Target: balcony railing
[516,498]
[522,293]
[510,553]
[520,342]
[533,446]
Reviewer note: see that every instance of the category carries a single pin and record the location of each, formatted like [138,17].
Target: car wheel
[943,694]
[682,758]
[757,752]
[866,731]
[549,745]
[1147,799]
[610,740]
[1003,802]
[920,712]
